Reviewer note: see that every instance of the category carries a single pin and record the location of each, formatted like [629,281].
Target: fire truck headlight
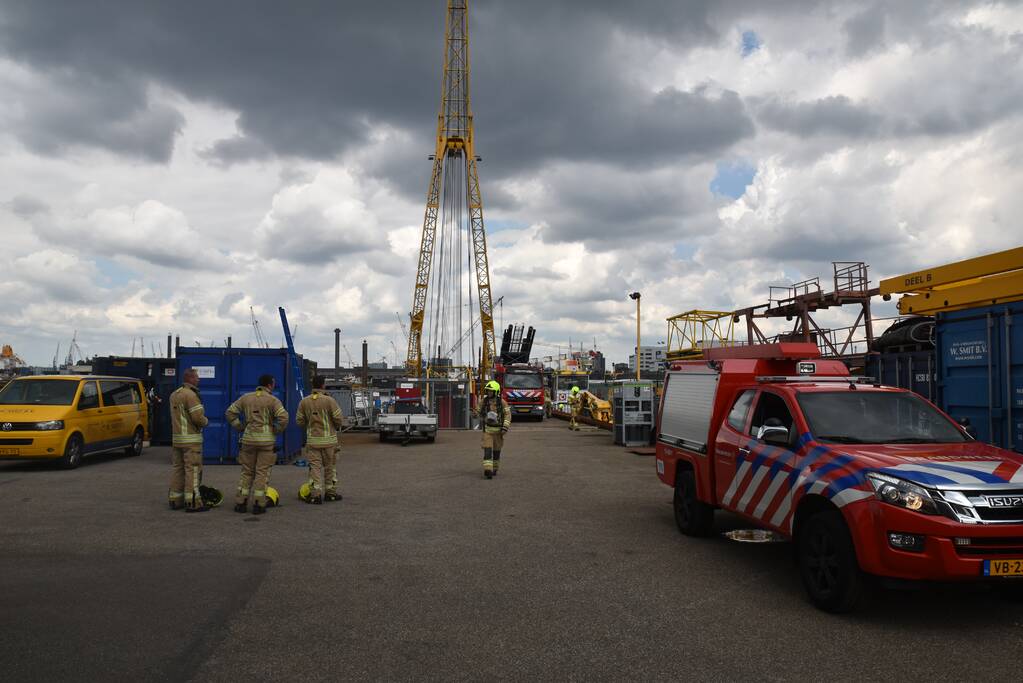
[902,493]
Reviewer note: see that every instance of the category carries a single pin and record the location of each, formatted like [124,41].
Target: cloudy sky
[166,165]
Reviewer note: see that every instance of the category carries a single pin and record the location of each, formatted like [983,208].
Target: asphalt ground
[567,566]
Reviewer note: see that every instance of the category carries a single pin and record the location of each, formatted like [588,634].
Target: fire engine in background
[522,387]
[521,383]
[864,479]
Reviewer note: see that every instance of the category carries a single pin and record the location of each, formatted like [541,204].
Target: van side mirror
[776,436]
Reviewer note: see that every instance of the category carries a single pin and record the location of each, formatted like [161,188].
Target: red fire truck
[522,386]
[864,479]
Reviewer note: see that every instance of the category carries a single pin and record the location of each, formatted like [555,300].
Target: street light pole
[636,295]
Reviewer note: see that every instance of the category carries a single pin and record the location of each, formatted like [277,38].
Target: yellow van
[71,416]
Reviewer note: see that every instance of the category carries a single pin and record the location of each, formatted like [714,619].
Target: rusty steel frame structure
[454,146]
[801,300]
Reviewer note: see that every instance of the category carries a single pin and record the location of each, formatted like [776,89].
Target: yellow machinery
[454,178]
[982,281]
[595,408]
[691,332]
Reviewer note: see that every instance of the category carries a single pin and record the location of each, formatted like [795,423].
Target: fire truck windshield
[877,417]
[524,380]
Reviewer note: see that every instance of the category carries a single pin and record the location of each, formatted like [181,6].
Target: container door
[247,367]
[1013,323]
[214,385]
[970,354]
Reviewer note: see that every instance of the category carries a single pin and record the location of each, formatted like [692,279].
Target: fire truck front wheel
[693,517]
[827,562]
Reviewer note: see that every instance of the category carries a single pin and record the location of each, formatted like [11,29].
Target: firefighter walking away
[496,418]
[188,417]
[319,415]
[264,418]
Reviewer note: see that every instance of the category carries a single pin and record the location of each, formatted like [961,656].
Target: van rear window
[39,392]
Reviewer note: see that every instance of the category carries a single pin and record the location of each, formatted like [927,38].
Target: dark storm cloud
[65,109]
[314,79]
[229,300]
[835,115]
[864,32]
[27,206]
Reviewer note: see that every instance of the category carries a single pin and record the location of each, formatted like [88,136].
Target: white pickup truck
[408,420]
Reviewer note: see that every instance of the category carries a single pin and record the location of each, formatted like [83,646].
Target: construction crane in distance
[351,363]
[260,339]
[73,350]
[455,180]
[472,328]
[401,323]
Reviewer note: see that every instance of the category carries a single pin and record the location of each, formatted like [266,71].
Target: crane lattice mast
[454,148]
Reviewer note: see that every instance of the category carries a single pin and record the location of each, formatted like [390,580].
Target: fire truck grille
[991,546]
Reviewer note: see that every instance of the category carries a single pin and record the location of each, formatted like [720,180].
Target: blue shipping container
[913,370]
[980,370]
[225,374]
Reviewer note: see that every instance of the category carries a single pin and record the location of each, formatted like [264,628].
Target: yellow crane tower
[454,179]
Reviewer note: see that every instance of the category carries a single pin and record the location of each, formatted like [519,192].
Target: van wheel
[383,437]
[693,517]
[135,449]
[827,562]
[431,438]
[73,452]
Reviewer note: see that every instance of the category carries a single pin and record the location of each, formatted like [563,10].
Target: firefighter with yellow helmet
[265,418]
[319,415]
[575,403]
[495,414]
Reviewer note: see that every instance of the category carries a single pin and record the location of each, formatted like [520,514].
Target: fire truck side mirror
[970,430]
[776,436]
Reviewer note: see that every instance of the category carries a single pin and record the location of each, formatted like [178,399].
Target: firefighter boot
[331,496]
[488,463]
[241,507]
[497,461]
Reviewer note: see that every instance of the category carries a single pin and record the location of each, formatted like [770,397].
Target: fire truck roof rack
[813,379]
[777,351]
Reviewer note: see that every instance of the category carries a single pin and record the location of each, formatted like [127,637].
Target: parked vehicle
[407,418]
[864,479]
[66,417]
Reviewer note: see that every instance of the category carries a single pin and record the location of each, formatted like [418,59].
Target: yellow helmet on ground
[273,499]
[303,491]
[211,497]
[575,390]
[492,385]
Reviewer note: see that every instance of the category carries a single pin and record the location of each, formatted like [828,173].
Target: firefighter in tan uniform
[496,418]
[575,403]
[187,421]
[265,418]
[319,415]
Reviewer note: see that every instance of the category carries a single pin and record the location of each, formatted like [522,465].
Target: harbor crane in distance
[404,327]
[73,350]
[455,181]
[260,339]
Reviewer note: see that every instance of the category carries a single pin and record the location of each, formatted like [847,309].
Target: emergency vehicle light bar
[815,380]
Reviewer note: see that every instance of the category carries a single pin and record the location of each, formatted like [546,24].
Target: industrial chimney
[365,363]
[337,353]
